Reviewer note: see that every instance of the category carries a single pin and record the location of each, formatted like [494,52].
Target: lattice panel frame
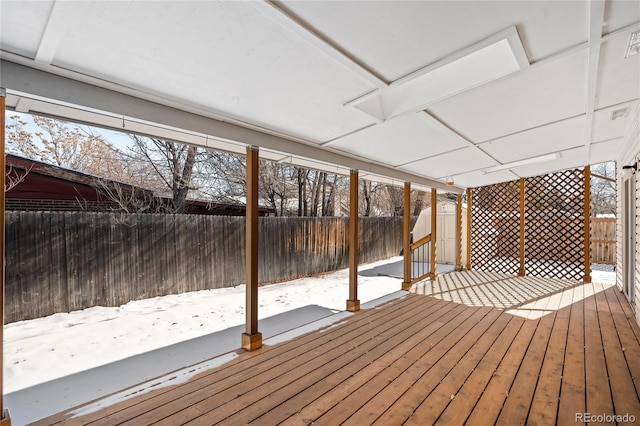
[554,225]
[495,230]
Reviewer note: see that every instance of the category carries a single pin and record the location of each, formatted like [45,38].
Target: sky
[118,139]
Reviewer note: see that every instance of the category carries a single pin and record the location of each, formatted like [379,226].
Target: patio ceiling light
[520,163]
[492,58]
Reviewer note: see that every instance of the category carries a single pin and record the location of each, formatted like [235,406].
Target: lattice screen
[554,225]
[495,231]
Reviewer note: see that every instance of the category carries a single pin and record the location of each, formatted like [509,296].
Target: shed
[446,230]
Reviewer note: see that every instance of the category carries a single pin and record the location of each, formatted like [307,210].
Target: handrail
[421,241]
[417,267]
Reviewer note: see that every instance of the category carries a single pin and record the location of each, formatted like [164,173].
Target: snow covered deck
[552,351]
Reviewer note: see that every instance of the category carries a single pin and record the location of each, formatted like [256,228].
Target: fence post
[587,224]
[521,271]
[353,304]
[406,237]
[252,339]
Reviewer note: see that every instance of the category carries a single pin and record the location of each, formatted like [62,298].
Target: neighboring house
[37,186]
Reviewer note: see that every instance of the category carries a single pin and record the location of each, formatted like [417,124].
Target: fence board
[603,240]
[64,261]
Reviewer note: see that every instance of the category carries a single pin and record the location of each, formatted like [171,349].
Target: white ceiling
[314,80]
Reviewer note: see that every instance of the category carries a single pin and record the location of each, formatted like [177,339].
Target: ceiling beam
[76,95]
[55,30]
[596,22]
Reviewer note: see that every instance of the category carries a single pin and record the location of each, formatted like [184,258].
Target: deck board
[421,359]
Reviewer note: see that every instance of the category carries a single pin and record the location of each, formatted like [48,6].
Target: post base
[6,419]
[406,286]
[251,342]
[353,305]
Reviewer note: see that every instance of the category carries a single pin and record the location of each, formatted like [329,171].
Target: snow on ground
[85,339]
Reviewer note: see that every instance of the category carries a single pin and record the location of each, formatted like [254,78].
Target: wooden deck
[569,349]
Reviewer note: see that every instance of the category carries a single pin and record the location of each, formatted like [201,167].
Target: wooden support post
[406,237]
[353,304]
[468,229]
[252,339]
[521,271]
[434,232]
[6,420]
[459,232]
[587,224]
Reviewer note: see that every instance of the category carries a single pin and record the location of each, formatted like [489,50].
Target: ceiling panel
[619,14]
[549,92]
[451,163]
[221,56]
[570,159]
[539,141]
[22,36]
[605,128]
[604,151]
[618,77]
[401,140]
[394,38]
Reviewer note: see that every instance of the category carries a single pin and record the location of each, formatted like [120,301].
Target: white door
[628,237]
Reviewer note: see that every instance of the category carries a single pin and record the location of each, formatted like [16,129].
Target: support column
[251,338]
[521,271]
[459,232]
[468,229]
[353,304]
[434,232]
[406,237]
[587,224]
[6,420]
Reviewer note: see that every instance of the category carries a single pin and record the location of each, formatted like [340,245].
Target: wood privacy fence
[64,261]
[603,240]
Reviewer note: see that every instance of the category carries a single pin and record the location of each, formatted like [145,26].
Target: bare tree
[603,189]
[173,164]
[14,177]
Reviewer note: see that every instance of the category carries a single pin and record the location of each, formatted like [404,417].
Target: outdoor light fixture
[520,163]
[633,47]
[619,113]
[629,170]
[449,181]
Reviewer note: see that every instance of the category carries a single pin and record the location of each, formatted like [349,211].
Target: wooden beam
[468,229]
[434,232]
[6,420]
[353,304]
[426,239]
[251,338]
[587,224]
[459,232]
[406,237]
[521,271]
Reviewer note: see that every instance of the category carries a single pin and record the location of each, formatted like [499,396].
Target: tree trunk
[184,181]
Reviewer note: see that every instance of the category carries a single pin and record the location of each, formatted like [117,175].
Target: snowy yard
[44,349]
